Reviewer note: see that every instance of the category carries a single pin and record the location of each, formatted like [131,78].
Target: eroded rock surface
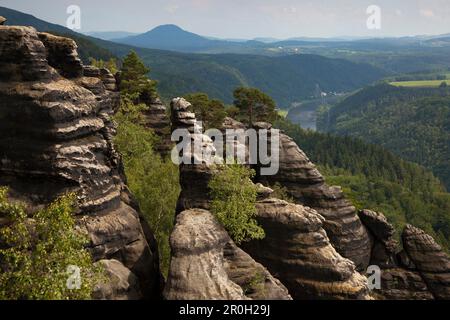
[431,261]
[56,137]
[307,186]
[297,251]
[207,265]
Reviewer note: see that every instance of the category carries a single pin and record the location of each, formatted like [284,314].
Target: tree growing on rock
[210,111]
[254,105]
[234,202]
[134,80]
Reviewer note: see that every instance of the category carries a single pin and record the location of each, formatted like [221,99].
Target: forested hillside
[414,123]
[375,178]
[287,78]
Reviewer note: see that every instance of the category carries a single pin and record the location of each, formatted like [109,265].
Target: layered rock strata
[297,251]
[207,265]
[56,137]
[431,261]
[307,186]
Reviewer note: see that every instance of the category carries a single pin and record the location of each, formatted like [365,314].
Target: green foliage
[211,112]
[232,111]
[281,193]
[254,105]
[374,178]
[234,202]
[111,64]
[37,251]
[134,81]
[151,179]
[413,123]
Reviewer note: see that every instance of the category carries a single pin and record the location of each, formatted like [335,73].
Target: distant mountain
[110,35]
[287,78]
[172,37]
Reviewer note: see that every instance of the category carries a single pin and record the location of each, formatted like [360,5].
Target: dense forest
[377,179]
[413,123]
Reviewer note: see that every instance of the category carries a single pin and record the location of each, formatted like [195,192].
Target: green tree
[254,105]
[37,251]
[210,112]
[111,64]
[234,202]
[134,81]
[152,180]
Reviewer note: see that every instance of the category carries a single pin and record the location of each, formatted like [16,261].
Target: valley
[109,167]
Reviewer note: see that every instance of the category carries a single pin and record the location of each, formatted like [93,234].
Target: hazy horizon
[253,19]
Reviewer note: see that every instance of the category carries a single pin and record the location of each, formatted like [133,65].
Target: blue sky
[250,18]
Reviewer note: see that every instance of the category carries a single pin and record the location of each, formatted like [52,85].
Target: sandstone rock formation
[307,186]
[431,261]
[207,265]
[55,137]
[195,173]
[384,245]
[121,283]
[156,119]
[297,251]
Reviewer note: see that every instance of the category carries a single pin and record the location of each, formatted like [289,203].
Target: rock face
[307,186]
[207,265]
[384,245]
[122,284]
[297,251]
[193,195]
[431,261]
[156,119]
[55,137]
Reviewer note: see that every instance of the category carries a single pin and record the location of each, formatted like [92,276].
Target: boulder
[207,265]
[431,261]
[384,244]
[121,283]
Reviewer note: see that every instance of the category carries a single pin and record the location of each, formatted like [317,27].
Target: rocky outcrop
[193,166]
[2,20]
[307,186]
[296,247]
[207,265]
[431,261]
[401,284]
[156,118]
[384,244]
[297,251]
[55,137]
[120,284]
